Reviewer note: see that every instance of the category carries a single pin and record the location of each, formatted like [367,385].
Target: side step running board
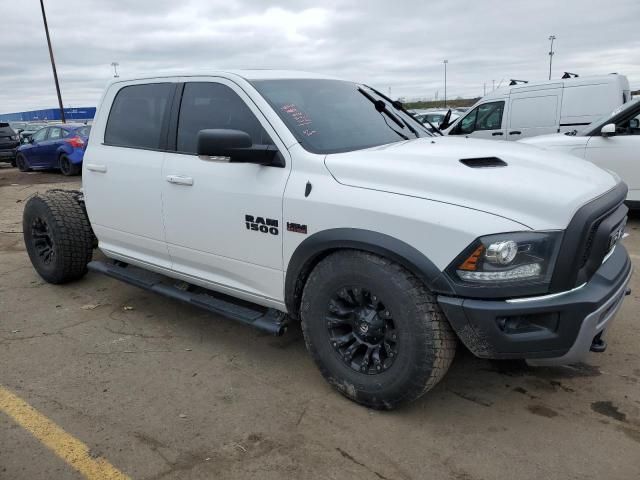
[266,319]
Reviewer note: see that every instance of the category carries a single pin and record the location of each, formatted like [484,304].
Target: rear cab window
[138,116]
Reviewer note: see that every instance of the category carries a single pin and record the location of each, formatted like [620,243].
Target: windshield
[595,126]
[331,116]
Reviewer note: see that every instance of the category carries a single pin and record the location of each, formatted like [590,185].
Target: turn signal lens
[471,263]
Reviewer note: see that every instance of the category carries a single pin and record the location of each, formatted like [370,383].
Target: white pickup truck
[275,196]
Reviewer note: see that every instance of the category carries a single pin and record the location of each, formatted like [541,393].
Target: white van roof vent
[483,162]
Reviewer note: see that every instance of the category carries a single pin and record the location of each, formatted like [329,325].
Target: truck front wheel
[374,330]
[58,236]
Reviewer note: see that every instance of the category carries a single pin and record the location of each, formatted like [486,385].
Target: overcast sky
[398,44]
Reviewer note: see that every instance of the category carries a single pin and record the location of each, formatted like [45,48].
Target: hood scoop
[483,162]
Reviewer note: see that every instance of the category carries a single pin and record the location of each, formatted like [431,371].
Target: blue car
[56,146]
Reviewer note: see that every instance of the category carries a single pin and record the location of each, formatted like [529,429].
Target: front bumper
[7,154]
[551,330]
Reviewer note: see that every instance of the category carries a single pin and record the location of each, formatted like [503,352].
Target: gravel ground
[165,391]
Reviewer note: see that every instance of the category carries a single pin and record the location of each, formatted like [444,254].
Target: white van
[526,110]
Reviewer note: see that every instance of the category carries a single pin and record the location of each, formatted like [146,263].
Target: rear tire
[67,168]
[374,330]
[21,163]
[58,236]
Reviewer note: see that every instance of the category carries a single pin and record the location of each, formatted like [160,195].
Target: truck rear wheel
[374,330]
[58,236]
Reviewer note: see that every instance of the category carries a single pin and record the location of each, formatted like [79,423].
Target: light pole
[445,82]
[552,38]
[115,69]
[53,62]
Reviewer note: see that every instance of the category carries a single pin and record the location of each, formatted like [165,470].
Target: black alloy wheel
[361,330]
[43,243]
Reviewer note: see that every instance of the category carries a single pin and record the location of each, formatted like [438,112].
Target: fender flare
[319,245]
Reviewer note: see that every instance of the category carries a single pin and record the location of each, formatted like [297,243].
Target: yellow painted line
[68,448]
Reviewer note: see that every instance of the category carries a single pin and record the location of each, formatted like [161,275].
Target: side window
[468,123]
[40,135]
[213,105]
[55,133]
[489,116]
[629,126]
[137,116]
[535,112]
[83,131]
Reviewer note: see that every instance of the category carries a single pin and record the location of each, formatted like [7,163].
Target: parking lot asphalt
[106,379]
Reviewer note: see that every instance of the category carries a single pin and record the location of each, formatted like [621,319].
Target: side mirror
[608,130]
[234,146]
[634,123]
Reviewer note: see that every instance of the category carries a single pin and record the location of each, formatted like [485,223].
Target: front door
[223,220]
[620,153]
[34,152]
[484,121]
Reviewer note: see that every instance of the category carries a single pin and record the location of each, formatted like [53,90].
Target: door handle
[515,132]
[180,180]
[97,168]
[495,134]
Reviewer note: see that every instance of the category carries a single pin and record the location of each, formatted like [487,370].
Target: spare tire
[58,236]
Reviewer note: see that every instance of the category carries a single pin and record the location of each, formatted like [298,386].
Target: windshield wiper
[382,108]
[399,106]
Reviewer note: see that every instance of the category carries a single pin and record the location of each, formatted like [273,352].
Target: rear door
[487,120]
[49,148]
[122,171]
[224,220]
[533,113]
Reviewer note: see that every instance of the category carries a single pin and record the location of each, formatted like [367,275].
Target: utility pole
[484,89]
[552,38]
[493,82]
[445,82]
[53,63]
[115,69]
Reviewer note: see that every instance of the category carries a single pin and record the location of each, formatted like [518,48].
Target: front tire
[58,236]
[21,163]
[374,330]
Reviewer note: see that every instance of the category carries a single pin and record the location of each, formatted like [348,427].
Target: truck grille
[591,234]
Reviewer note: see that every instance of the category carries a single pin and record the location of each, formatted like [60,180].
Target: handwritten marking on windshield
[301,118]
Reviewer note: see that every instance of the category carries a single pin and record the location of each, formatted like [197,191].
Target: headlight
[507,259]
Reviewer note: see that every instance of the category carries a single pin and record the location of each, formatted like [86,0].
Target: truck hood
[537,188]
[556,140]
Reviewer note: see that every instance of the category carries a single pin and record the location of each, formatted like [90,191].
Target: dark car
[57,146]
[9,141]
